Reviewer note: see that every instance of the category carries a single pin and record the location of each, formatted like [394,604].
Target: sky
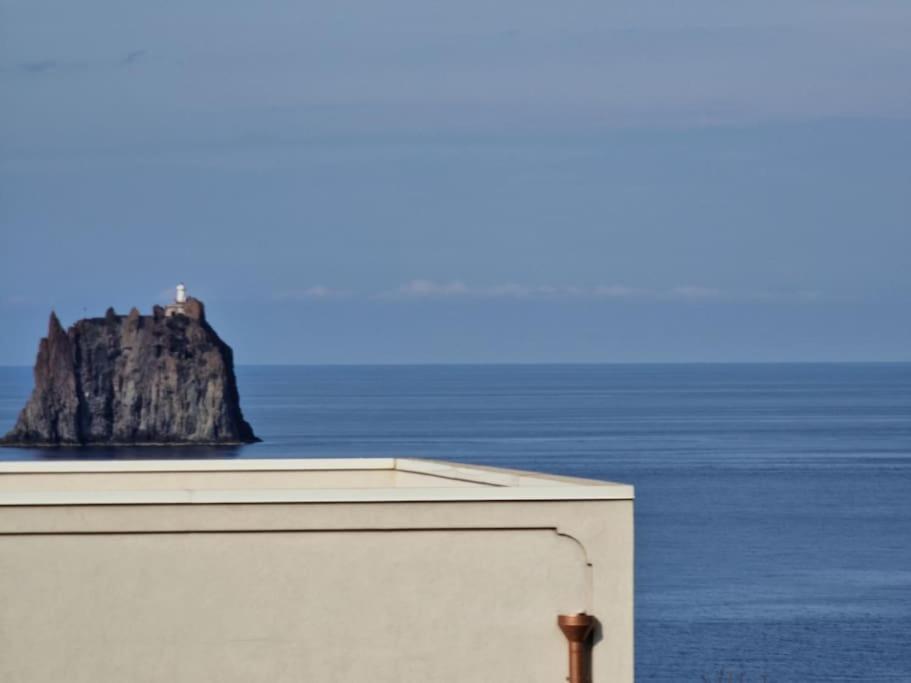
[425,182]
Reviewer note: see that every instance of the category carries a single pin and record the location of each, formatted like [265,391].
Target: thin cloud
[424,289]
[133,57]
[314,293]
[695,293]
[39,67]
[452,290]
[809,296]
[429,289]
[618,292]
[456,289]
[11,300]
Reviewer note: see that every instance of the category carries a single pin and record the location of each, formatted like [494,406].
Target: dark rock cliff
[133,379]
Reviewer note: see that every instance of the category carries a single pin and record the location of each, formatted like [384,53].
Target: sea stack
[160,379]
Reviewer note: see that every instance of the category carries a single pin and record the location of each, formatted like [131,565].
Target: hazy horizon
[471,183]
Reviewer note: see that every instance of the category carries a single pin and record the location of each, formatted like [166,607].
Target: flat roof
[284,480]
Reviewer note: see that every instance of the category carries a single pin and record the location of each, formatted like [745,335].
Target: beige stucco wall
[456,591]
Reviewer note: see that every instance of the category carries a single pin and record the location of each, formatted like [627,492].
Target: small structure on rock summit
[180,301]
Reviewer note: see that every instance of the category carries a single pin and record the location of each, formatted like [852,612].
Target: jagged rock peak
[54,328]
[158,379]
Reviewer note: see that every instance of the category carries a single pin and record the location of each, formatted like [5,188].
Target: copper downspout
[577,628]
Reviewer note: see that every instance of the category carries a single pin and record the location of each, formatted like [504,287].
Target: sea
[773,501]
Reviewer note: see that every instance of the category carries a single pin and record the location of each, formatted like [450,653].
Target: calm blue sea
[773,511]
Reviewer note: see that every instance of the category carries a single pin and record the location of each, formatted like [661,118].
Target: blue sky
[436,182]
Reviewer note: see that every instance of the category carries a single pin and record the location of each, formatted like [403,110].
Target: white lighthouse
[180,300]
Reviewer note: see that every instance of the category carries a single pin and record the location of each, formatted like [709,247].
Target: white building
[180,300]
